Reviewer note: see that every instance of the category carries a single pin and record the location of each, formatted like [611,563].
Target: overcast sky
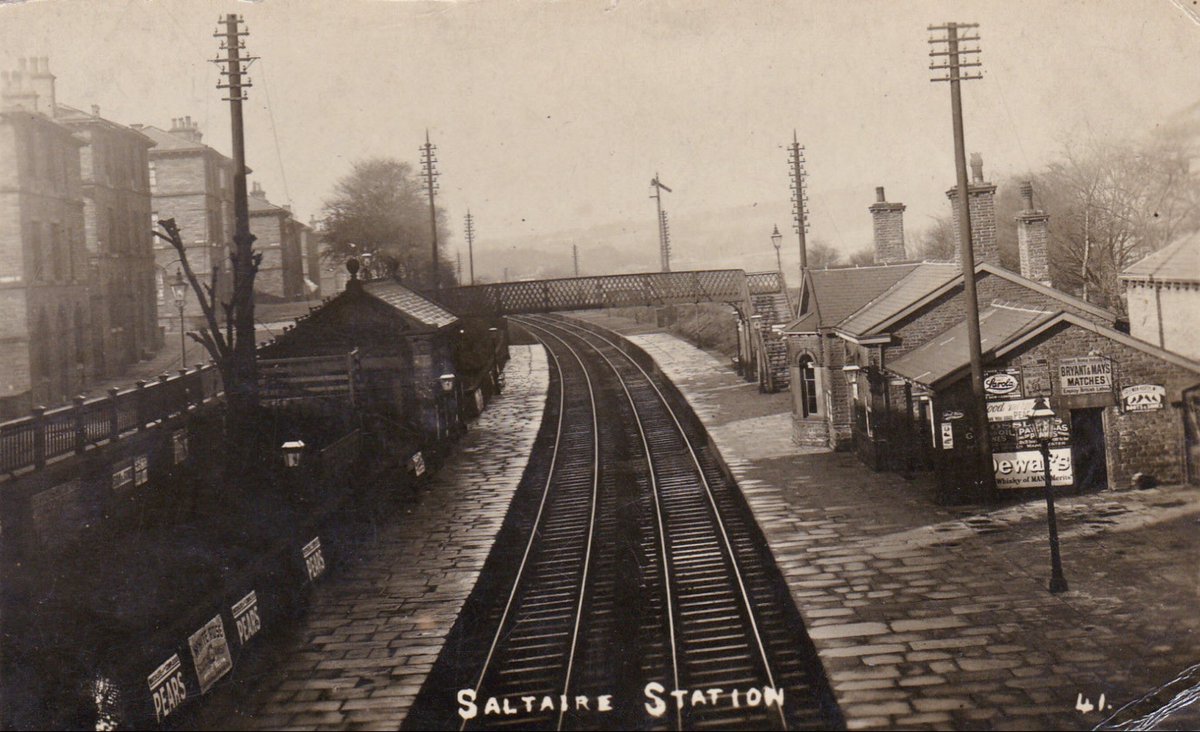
[553,116]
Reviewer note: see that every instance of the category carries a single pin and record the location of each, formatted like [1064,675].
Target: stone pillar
[889,229]
[982,204]
[1033,236]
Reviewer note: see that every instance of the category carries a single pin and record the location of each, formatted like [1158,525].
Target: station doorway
[1089,457]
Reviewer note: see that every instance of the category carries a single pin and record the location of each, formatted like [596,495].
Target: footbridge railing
[731,286]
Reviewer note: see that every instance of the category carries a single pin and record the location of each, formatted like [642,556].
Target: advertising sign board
[1085,375]
[1143,398]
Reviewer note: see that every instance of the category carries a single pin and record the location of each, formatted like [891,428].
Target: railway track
[643,595]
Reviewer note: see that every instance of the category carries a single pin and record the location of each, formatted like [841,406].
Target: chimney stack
[18,91]
[982,203]
[257,191]
[1033,236]
[186,128]
[889,229]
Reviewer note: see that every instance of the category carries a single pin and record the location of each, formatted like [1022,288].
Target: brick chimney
[256,190]
[981,198]
[42,83]
[889,229]
[186,128]
[18,90]
[1033,235]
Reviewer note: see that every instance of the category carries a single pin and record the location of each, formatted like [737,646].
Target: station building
[879,366]
[402,346]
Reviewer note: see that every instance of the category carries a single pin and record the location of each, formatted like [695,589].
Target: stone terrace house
[193,184]
[1163,296]
[44,318]
[116,190]
[879,354]
[279,238]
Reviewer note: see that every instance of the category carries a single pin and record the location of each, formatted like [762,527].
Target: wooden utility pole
[243,391]
[575,257]
[799,201]
[953,69]
[470,226]
[664,237]
[429,168]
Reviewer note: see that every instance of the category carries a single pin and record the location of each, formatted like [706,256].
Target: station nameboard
[1085,375]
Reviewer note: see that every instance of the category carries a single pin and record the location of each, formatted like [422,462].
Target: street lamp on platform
[1044,427]
[777,241]
[292,451]
[179,290]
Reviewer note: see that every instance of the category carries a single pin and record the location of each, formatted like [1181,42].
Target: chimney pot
[1027,194]
[879,197]
[976,167]
[95,110]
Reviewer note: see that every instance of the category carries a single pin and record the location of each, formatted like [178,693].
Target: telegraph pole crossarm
[429,168]
[243,392]
[799,200]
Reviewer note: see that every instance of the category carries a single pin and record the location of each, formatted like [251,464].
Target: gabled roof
[829,295]
[410,303]
[73,117]
[1178,261]
[923,279]
[911,295]
[947,354]
[944,359]
[262,205]
[167,142]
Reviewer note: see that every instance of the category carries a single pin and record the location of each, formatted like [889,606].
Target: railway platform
[358,657]
[930,617]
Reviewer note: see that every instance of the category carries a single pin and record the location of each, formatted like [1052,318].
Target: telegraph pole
[575,257]
[664,241]
[429,168]
[458,266]
[799,200]
[953,69]
[470,226]
[244,389]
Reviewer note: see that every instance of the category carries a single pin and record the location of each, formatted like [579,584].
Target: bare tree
[821,254]
[220,342]
[379,209]
[862,258]
[1113,205]
[936,244]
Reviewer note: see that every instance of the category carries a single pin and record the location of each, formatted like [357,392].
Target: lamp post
[1043,419]
[179,291]
[777,241]
[292,451]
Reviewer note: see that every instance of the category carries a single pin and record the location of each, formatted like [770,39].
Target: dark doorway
[1191,426]
[1087,449]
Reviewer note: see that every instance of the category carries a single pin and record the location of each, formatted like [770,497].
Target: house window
[159,285]
[153,178]
[809,403]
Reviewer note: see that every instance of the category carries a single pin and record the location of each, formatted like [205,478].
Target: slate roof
[410,303]
[1178,261]
[165,141]
[920,281]
[261,205]
[835,294]
[947,353]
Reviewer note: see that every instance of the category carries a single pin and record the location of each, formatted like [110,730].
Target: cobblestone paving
[373,631]
[930,617]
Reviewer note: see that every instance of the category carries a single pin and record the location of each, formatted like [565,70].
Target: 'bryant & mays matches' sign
[1085,375]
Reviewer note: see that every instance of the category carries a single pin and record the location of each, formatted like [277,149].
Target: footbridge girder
[732,286]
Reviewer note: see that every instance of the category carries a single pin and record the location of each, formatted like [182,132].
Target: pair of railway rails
[629,586]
